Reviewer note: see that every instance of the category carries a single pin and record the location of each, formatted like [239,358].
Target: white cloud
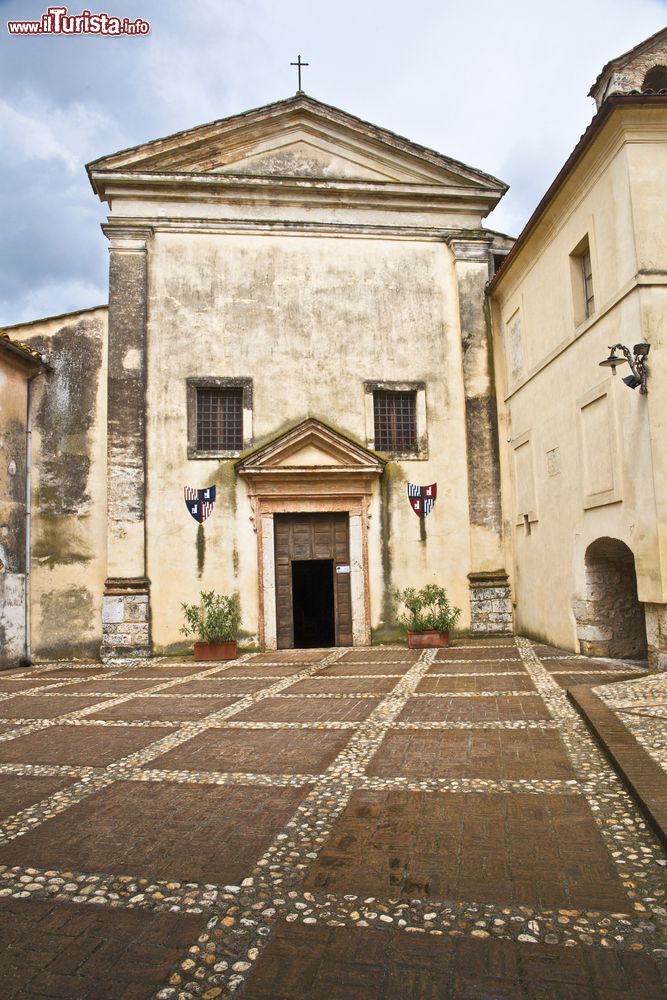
[501,86]
[52,299]
[35,128]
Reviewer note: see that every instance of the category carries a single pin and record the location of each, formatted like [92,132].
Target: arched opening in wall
[655,79]
[610,621]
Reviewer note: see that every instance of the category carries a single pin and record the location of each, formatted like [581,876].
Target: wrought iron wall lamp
[637,364]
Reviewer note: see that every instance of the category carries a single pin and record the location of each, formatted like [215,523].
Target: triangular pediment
[311,446]
[303,153]
[298,137]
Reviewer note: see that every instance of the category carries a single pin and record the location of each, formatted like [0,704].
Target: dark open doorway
[320,541]
[313,603]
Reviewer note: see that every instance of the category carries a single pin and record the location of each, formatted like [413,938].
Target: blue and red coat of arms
[422,498]
[199,502]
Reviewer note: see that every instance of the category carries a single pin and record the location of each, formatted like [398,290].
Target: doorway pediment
[311,455]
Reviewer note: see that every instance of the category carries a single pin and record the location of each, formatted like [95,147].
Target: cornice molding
[127,237]
[473,249]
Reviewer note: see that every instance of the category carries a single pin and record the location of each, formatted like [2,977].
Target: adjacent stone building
[19,367]
[585,459]
[67,462]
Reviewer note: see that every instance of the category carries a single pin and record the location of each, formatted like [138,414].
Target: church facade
[296,324]
[309,333]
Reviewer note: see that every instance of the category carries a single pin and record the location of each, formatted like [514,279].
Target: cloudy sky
[499,84]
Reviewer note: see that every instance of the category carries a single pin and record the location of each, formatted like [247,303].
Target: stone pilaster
[490,602]
[126,605]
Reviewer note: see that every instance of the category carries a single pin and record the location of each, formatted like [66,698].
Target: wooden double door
[313,594]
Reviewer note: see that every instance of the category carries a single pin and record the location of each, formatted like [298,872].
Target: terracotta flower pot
[216,650]
[427,640]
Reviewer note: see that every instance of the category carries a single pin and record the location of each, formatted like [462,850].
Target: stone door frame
[357,510]
[312,469]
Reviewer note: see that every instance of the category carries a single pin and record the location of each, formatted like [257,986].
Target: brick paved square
[168,672]
[198,833]
[69,671]
[585,665]
[289,657]
[11,686]
[343,685]
[20,791]
[544,650]
[223,686]
[489,708]
[308,710]
[258,751]
[92,746]
[29,706]
[169,708]
[437,684]
[491,640]
[88,952]
[275,671]
[536,850]
[475,667]
[355,668]
[510,754]
[570,680]
[340,963]
[478,653]
[116,685]
[398,653]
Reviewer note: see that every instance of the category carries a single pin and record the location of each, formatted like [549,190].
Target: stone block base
[126,629]
[490,604]
[12,617]
[656,635]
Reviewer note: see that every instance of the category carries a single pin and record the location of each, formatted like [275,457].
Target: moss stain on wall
[201,549]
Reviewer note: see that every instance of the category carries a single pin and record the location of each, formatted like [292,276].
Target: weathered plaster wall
[69,485]
[309,319]
[581,454]
[13,395]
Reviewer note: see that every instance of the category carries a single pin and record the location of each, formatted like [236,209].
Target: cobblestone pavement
[360,824]
[642,707]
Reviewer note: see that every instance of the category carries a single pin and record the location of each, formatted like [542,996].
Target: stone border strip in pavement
[641,775]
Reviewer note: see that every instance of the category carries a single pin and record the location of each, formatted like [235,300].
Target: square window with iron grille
[219,419]
[219,416]
[395,416]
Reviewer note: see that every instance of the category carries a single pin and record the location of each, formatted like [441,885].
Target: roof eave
[306,103]
[29,359]
[610,105]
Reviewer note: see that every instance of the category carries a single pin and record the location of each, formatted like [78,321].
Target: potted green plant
[428,615]
[215,621]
